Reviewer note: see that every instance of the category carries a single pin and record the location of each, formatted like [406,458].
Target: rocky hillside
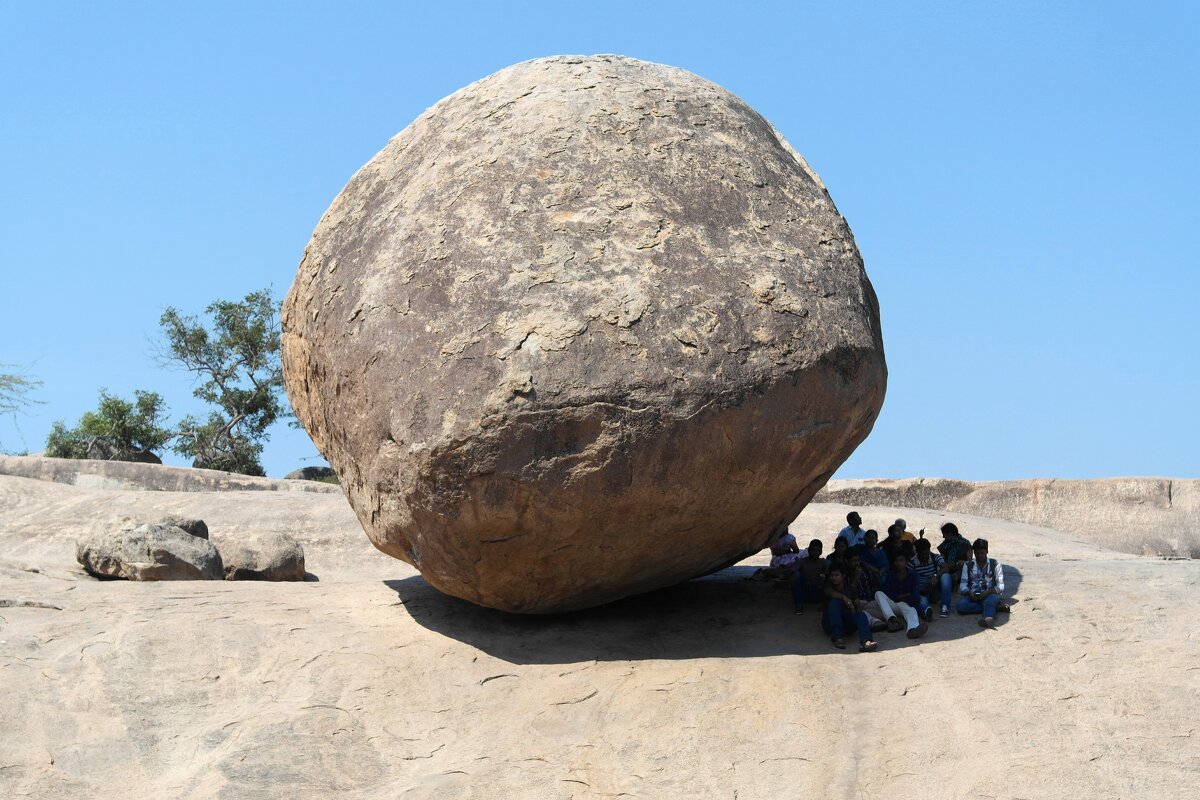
[1144,516]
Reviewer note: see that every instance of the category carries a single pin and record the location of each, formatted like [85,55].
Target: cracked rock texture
[585,328]
[150,552]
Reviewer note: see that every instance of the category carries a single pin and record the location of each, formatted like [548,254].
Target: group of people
[867,585]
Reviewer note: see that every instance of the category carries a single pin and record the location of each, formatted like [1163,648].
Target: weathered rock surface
[91,474]
[195,527]
[1144,516]
[272,556]
[370,684]
[149,553]
[585,328]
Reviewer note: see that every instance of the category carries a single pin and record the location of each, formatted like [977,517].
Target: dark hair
[853,515]
[870,533]
[979,544]
[950,528]
[815,543]
[908,550]
[843,540]
[923,544]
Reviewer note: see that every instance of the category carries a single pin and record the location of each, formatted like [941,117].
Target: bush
[117,430]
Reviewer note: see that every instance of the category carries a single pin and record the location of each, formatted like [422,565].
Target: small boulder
[195,527]
[311,474]
[263,557]
[152,552]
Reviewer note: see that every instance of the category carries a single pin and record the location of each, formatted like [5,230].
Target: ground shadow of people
[723,615]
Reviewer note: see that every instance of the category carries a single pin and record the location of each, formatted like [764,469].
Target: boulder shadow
[723,615]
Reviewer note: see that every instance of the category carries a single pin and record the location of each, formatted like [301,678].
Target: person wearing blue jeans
[982,586]
[931,568]
[841,612]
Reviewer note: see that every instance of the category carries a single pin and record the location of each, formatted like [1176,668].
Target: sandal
[868,646]
[839,643]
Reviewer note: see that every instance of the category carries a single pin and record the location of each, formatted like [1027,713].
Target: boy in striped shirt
[931,571]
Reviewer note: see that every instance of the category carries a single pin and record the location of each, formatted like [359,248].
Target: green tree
[118,430]
[237,367]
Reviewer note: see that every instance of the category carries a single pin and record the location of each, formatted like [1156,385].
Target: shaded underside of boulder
[263,557]
[151,552]
[586,328]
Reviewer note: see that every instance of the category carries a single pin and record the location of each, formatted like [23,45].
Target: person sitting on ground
[853,533]
[931,572]
[955,549]
[902,532]
[808,582]
[840,546]
[982,586]
[891,543]
[874,560]
[841,613]
[858,586]
[898,599]
[785,552]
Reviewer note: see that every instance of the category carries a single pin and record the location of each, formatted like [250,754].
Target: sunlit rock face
[585,328]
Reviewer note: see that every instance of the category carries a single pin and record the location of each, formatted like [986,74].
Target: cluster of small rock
[176,549]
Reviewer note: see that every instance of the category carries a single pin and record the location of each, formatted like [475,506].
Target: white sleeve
[962,585]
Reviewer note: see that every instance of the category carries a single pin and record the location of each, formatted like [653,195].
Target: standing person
[982,586]
[853,533]
[841,613]
[955,549]
[808,583]
[931,571]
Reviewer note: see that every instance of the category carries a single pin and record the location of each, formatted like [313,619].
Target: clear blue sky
[1021,178]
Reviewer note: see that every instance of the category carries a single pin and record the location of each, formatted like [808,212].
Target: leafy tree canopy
[118,430]
[236,363]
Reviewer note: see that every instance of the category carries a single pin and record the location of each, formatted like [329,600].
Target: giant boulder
[585,328]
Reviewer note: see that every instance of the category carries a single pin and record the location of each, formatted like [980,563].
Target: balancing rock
[585,328]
